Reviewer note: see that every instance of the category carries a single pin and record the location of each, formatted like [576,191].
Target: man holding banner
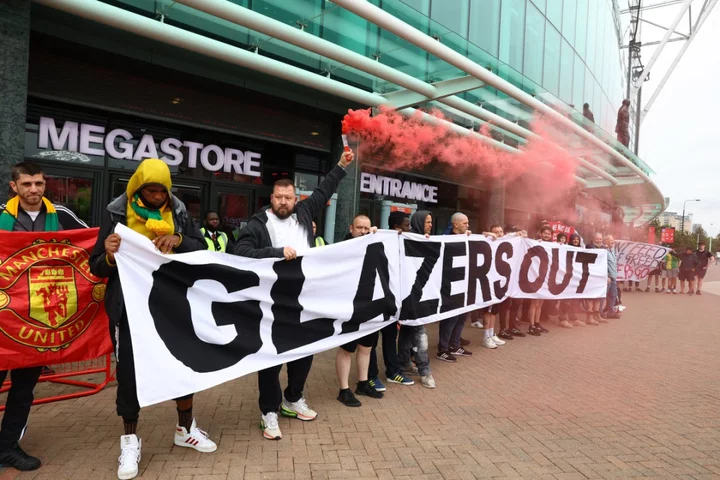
[284,230]
[28,211]
[148,208]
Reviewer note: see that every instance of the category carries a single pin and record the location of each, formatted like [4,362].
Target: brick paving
[637,398]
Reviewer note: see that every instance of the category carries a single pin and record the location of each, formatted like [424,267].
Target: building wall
[569,47]
[674,220]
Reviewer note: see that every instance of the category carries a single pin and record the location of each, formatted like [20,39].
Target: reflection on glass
[234,211]
[74,193]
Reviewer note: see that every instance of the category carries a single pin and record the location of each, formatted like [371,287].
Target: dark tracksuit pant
[271,393]
[389,335]
[17,406]
[126,401]
[450,333]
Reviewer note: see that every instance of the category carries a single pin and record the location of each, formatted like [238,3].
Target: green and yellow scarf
[9,216]
[149,222]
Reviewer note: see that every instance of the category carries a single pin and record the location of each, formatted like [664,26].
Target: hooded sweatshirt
[572,237]
[141,217]
[121,210]
[417,221]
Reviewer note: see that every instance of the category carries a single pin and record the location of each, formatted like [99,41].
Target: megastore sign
[120,144]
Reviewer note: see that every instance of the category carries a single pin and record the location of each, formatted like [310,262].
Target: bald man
[450,344]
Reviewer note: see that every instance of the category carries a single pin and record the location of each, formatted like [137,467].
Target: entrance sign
[377,184]
[120,144]
[203,318]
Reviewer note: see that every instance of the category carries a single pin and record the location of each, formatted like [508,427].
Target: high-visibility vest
[222,240]
[320,242]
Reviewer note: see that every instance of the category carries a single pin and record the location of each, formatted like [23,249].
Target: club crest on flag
[53,296]
[48,297]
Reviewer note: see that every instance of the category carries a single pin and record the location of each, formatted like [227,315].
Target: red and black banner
[50,304]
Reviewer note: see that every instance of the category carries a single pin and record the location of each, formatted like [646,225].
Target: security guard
[217,241]
[319,241]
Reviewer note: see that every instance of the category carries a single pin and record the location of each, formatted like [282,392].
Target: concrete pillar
[14,53]
[495,209]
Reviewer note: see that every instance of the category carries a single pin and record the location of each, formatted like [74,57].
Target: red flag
[51,306]
[651,235]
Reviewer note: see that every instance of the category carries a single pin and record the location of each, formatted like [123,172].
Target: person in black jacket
[148,208]
[284,230]
[28,211]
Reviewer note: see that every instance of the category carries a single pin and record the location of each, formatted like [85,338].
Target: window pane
[581,27]
[540,4]
[484,21]
[578,82]
[591,34]
[551,69]
[512,33]
[589,89]
[568,26]
[74,193]
[452,14]
[422,6]
[554,12]
[534,41]
[567,57]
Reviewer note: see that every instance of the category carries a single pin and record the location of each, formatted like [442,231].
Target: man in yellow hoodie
[150,209]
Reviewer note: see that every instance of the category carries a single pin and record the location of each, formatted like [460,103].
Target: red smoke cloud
[540,179]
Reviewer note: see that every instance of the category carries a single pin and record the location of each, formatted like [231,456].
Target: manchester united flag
[50,304]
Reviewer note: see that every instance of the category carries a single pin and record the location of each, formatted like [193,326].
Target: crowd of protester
[285,230]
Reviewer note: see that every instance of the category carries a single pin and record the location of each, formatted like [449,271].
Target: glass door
[76,190]
[234,206]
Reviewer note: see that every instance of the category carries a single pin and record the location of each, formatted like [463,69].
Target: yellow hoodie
[148,222]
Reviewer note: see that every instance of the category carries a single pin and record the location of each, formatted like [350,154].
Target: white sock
[492,332]
[487,333]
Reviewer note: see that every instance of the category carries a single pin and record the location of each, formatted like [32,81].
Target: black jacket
[66,218]
[116,212]
[254,240]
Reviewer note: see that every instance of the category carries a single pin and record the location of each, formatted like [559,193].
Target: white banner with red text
[203,318]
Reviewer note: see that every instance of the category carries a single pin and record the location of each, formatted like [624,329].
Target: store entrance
[190,193]
[233,205]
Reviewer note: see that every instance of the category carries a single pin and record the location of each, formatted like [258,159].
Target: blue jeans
[612,295]
[450,332]
[414,341]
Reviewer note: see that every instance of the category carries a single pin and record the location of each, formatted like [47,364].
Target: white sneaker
[427,381]
[130,446]
[299,410]
[488,343]
[196,439]
[496,340]
[565,324]
[477,324]
[269,424]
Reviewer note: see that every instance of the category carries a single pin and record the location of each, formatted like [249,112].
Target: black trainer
[505,335]
[347,398]
[533,330]
[517,333]
[17,458]
[446,357]
[460,352]
[364,388]
[541,328]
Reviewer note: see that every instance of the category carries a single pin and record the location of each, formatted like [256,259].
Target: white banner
[636,260]
[203,318]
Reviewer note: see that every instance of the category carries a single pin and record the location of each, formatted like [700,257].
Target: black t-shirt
[703,258]
[688,261]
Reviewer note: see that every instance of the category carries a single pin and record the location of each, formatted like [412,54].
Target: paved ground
[637,398]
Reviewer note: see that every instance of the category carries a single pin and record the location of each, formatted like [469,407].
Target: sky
[677,138]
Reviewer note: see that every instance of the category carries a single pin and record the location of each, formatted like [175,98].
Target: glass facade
[556,50]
